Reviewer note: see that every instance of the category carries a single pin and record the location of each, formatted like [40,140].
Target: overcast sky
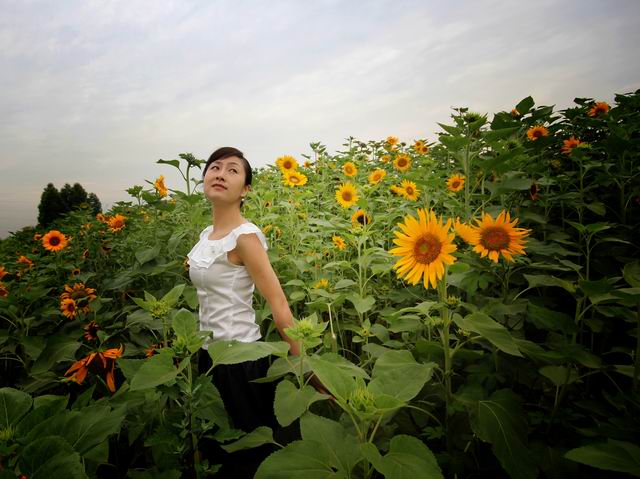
[96,91]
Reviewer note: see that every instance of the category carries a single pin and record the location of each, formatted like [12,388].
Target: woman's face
[224,181]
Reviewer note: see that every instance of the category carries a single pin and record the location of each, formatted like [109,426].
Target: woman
[227,262]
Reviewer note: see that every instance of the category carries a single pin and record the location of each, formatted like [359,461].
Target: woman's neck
[226,219]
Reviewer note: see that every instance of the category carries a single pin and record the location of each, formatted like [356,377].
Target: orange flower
[455,183]
[117,222]
[537,131]
[376,176]
[160,187]
[420,147]
[385,158]
[392,141]
[464,231]
[54,241]
[599,108]
[102,218]
[37,236]
[99,362]
[350,169]
[24,260]
[151,350]
[570,144]
[3,272]
[4,292]
[499,236]
[80,369]
[91,331]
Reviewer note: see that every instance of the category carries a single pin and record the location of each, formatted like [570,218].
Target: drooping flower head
[537,131]
[24,260]
[350,169]
[347,195]
[54,241]
[499,236]
[599,108]
[160,186]
[409,190]
[376,176]
[570,144]
[294,178]
[455,183]
[287,163]
[91,331]
[402,162]
[425,246]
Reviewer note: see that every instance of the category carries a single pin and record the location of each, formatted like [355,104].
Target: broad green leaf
[525,105]
[145,255]
[58,349]
[259,436]
[235,352]
[172,297]
[597,207]
[549,319]
[185,323]
[537,280]
[51,457]
[619,456]
[338,380]
[13,405]
[631,273]
[175,163]
[397,374]
[303,459]
[408,458]
[210,406]
[499,421]
[157,370]
[341,446]
[362,304]
[490,330]
[90,426]
[559,375]
[290,402]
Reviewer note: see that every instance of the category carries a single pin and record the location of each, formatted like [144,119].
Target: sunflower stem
[446,322]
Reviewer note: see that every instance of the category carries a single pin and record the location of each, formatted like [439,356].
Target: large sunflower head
[360,218]
[347,195]
[294,178]
[599,108]
[287,163]
[402,162]
[376,176]
[499,236]
[569,145]
[455,183]
[54,241]
[350,169]
[69,308]
[160,186]
[409,190]
[117,222]
[425,246]
[537,131]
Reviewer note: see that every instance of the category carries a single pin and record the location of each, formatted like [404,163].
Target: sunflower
[360,218]
[151,350]
[37,236]
[117,222]
[294,178]
[160,187]
[91,331]
[339,242]
[385,158]
[321,284]
[396,190]
[3,272]
[425,246]
[350,169]
[101,218]
[74,272]
[287,163]
[377,176]
[347,195]
[420,147]
[409,190]
[69,308]
[537,131]
[79,293]
[54,241]
[308,164]
[570,144]
[402,162]
[495,237]
[455,183]
[4,292]
[391,141]
[466,232]
[599,108]
[24,260]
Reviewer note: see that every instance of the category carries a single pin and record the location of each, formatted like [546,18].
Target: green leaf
[336,377]
[525,105]
[259,436]
[50,457]
[619,456]
[408,458]
[490,330]
[172,297]
[397,374]
[145,255]
[157,370]
[90,426]
[499,421]
[631,273]
[362,304]
[559,375]
[175,163]
[299,460]
[537,280]
[58,349]
[597,207]
[290,402]
[13,405]
[235,352]
[549,319]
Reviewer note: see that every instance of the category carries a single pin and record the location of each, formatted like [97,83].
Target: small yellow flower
[287,163]
[339,242]
[349,169]
[294,178]
[402,162]
[321,284]
[537,131]
[385,158]
[409,190]
[360,218]
[347,195]
[421,147]
[455,183]
[377,176]
[392,140]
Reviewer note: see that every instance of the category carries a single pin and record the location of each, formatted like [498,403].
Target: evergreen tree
[51,206]
[66,195]
[94,203]
[78,195]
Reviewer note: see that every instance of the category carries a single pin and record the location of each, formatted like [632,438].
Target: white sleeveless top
[225,290]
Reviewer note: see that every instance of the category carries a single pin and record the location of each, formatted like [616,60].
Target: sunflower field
[472,305]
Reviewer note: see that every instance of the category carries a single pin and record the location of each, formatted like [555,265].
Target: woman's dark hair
[227,152]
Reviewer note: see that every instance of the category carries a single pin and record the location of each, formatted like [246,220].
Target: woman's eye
[233,170]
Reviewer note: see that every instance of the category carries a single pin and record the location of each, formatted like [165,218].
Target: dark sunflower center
[495,238]
[402,162]
[294,179]
[346,196]
[427,248]
[362,219]
[537,133]
[409,190]
[54,241]
[287,165]
[455,184]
